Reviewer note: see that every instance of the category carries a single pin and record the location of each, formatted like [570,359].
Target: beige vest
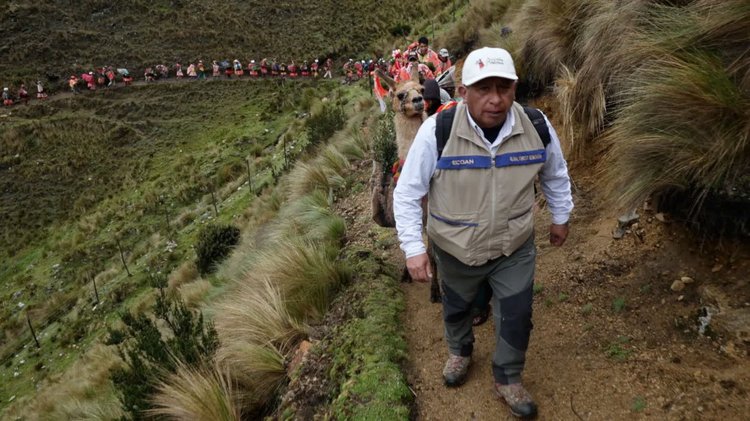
[481,206]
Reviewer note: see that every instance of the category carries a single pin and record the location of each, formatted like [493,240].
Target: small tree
[214,244]
[324,124]
[149,356]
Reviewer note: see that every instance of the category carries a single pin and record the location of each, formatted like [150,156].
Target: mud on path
[611,340]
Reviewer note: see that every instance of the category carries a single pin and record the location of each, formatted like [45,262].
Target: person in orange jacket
[425,53]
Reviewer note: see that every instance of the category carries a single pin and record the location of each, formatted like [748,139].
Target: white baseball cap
[444,52]
[488,62]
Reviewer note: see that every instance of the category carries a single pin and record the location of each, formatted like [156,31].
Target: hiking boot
[518,399]
[455,370]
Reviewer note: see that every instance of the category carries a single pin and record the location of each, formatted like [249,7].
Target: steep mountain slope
[58,37]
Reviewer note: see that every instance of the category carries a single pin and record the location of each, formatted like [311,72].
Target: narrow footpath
[611,340]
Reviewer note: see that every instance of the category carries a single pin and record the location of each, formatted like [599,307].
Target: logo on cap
[480,63]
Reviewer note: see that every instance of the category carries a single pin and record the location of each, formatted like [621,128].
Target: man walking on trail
[480,189]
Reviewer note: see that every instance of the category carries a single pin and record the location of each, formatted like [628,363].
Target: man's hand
[419,268]
[558,234]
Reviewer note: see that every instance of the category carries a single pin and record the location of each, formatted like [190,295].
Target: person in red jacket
[7,97]
[426,55]
[445,62]
[314,68]
[23,94]
[253,68]
[238,68]
[358,66]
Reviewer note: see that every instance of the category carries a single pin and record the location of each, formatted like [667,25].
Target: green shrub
[400,30]
[324,124]
[384,143]
[214,244]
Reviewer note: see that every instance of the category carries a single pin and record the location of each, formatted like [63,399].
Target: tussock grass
[564,86]
[198,394]
[551,30]
[307,273]
[309,217]
[256,313]
[335,160]
[87,410]
[258,368]
[610,48]
[309,177]
[186,272]
[660,142]
[193,293]
[683,125]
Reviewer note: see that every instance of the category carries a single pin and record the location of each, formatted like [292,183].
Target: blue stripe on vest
[521,158]
[464,162]
[454,223]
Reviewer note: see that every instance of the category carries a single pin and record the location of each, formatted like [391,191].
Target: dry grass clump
[464,35]
[259,369]
[72,394]
[198,394]
[309,217]
[193,293]
[551,30]
[186,272]
[684,123]
[308,177]
[256,313]
[256,331]
[307,273]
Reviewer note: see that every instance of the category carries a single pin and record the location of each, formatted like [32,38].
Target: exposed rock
[687,280]
[299,355]
[628,219]
[660,217]
[728,321]
[677,286]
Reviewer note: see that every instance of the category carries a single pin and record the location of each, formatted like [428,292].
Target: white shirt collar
[510,120]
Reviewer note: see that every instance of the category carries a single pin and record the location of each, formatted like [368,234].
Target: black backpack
[444,124]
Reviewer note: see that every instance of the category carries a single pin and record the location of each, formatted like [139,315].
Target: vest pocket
[453,231]
[520,228]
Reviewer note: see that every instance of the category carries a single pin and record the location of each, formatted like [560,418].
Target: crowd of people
[430,64]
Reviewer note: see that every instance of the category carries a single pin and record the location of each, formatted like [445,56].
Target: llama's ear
[385,78]
[414,74]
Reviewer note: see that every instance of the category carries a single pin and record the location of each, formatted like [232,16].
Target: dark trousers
[511,279]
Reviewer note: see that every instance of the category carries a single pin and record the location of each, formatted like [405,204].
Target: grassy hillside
[135,169]
[59,37]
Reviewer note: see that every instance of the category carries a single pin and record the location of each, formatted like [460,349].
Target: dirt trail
[611,340]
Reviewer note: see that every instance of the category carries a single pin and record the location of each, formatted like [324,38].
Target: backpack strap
[537,119]
[444,124]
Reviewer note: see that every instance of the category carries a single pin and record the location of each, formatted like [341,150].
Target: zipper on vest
[492,205]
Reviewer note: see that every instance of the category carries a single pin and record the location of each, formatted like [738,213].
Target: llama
[409,106]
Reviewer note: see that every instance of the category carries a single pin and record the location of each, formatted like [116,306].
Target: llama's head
[406,96]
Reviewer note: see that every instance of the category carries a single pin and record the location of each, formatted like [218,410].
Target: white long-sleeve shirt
[421,161]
